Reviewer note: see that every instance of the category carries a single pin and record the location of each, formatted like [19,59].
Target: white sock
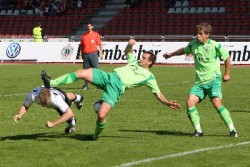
[78,98]
[73,122]
[198,128]
[231,127]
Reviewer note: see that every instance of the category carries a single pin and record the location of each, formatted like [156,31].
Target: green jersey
[133,75]
[206,59]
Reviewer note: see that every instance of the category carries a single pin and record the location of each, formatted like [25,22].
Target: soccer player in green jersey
[134,74]
[207,54]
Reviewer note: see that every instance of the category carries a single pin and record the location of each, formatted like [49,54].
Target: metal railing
[170,38]
[144,38]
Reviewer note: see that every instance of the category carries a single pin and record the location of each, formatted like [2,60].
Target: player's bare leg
[101,122]
[85,74]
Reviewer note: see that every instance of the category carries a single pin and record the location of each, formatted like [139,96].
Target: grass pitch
[140,132]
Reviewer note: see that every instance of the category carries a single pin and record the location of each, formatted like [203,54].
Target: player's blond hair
[207,28]
[45,96]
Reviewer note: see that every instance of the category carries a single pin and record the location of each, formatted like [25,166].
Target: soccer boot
[46,79]
[80,104]
[198,134]
[85,88]
[233,133]
[70,128]
[94,137]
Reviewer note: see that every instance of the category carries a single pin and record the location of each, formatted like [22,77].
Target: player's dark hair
[37,24]
[88,22]
[45,96]
[152,57]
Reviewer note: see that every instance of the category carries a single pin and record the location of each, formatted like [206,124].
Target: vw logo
[13,50]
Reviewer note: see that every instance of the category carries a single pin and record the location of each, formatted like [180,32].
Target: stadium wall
[66,52]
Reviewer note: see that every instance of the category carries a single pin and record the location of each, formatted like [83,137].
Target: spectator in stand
[35,4]
[170,3]
[47,9]
[60,8]
[27,5]
[79,4]
[7,4]
[133,3]
[57,8]
[74,3]
[40,11]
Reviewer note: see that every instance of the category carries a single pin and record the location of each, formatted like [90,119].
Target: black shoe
[85,88]
[198,134]
[69,129]
[233,133]
[46,79]
[80,104]
[95,137]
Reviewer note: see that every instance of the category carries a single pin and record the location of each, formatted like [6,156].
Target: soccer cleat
[233,133]
[46,79]
[94,137]
[85,88]
[198,134]
[80,104]
[69,129]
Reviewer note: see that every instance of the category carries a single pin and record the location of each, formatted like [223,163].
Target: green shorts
[110,83]
[212,89]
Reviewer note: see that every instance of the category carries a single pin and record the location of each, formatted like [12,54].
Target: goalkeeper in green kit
[207,54]
[134,74]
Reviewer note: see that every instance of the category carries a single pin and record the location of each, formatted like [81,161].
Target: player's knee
[190,103]
[101,116]
[82,73]
[192,100]
[217,102]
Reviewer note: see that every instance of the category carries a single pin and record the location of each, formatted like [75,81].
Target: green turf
[139,127]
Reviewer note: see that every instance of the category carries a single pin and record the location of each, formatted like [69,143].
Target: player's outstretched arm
[175,53]
[65,117]
[101,51]
[226,76]
[22,111]
[171,104]
[129,47]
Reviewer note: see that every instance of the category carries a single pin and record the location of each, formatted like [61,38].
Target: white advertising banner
[40,52]
[113,51]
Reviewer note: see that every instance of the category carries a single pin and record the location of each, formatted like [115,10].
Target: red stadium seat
[148,18]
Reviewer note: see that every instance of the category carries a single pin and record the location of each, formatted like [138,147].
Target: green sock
[225,116]
[65,79]
[194,118]
[99,128]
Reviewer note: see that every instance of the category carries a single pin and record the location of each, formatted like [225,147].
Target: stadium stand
[161,17]
[182,17]
[19,22]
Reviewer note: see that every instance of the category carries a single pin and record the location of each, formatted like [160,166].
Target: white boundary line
[164,84]
[10,95]
[180,154]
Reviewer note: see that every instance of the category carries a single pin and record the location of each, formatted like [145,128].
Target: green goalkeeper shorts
[110,83]
[212,89]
